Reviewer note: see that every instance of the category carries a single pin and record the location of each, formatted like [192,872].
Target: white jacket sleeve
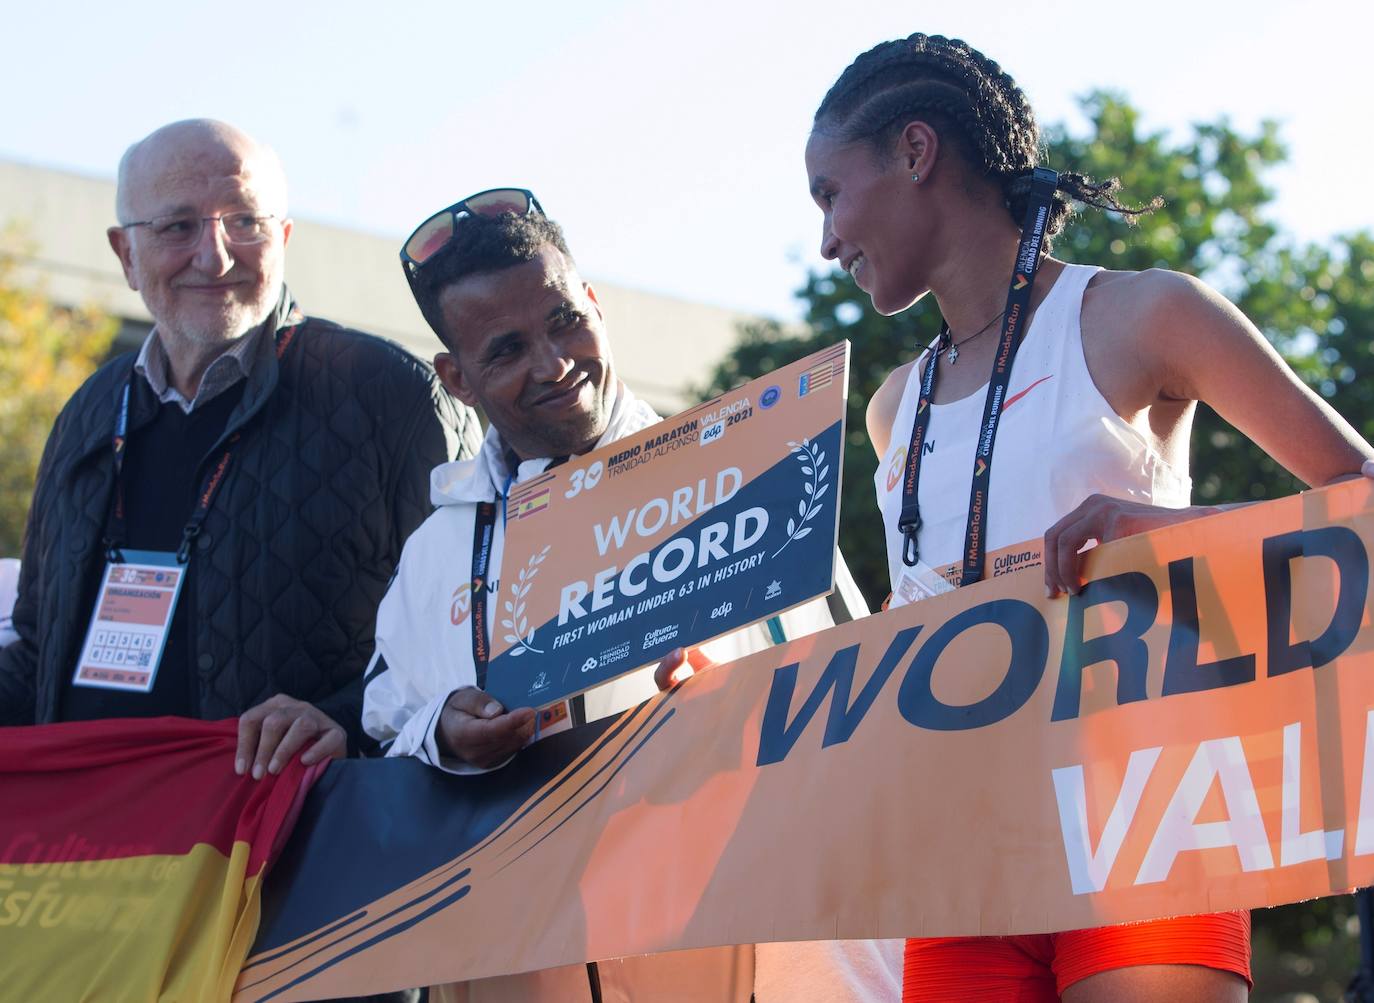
[409,680]
[402,717]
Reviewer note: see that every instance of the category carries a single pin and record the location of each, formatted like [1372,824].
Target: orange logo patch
[894,470]
[462,603]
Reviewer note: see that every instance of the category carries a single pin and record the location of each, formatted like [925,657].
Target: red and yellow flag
[131,858]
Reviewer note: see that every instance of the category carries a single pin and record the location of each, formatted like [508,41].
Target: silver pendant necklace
[952,356]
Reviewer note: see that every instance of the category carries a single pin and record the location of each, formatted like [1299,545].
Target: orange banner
[1193,733]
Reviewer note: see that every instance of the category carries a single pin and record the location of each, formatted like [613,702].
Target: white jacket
[422,656]
[424,640]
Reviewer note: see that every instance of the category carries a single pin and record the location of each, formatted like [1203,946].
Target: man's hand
[678,664]
[1102,519]
[476,729]
[276,729]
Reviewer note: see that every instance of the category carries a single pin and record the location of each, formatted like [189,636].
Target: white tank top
[1059,441]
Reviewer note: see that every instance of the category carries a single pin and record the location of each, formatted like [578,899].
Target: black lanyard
[484,525]
[1043,185]
[214,477]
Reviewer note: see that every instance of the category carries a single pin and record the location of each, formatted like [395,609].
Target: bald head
[196,147]
[213,287]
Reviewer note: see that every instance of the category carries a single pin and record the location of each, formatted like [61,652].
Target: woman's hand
[1102,519]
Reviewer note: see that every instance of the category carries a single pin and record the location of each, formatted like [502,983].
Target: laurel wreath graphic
[521,634]
[815,469]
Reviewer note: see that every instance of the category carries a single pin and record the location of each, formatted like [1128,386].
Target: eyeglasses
[179,230]
[433,234]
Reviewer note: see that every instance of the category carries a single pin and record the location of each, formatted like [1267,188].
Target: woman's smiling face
[870,218]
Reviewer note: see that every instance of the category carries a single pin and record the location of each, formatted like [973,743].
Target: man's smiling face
[529,348]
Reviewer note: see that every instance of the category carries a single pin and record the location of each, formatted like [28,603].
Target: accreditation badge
[133,613]
[551,720]
[924,582]
[917,583]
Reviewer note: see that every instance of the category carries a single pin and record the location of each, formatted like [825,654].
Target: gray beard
[219,336]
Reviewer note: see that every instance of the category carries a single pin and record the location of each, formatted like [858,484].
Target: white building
[663,346]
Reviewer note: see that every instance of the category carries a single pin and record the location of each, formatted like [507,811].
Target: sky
[666,137]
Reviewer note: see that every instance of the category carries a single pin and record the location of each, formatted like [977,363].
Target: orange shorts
[1037,969]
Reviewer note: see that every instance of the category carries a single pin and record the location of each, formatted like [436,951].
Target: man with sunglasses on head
[275,462]
[527,344]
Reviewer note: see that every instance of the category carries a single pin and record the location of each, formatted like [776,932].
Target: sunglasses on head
[431,236]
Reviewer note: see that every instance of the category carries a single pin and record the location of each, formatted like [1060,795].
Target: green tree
[1336,284]
[46,352]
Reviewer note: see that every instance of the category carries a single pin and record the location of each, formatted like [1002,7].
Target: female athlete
[923,159]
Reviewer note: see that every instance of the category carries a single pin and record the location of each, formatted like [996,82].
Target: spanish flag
[532,504]
[132,858]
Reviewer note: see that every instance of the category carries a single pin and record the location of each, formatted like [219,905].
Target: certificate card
[694,527]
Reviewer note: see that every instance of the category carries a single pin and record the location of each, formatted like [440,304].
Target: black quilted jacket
[330,477]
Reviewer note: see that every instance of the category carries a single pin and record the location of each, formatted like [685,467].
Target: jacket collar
[486,476]
[265,370]
[143,403]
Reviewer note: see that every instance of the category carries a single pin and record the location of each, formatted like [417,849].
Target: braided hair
[967,98]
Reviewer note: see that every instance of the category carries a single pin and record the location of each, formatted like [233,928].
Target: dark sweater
[164,469]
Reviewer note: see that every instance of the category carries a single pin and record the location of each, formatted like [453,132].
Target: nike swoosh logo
[1016,397]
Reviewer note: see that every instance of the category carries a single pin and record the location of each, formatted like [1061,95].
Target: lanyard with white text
[214,477]
[1043,185]
[484,526]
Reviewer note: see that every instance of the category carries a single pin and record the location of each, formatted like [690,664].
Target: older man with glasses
[268,463]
